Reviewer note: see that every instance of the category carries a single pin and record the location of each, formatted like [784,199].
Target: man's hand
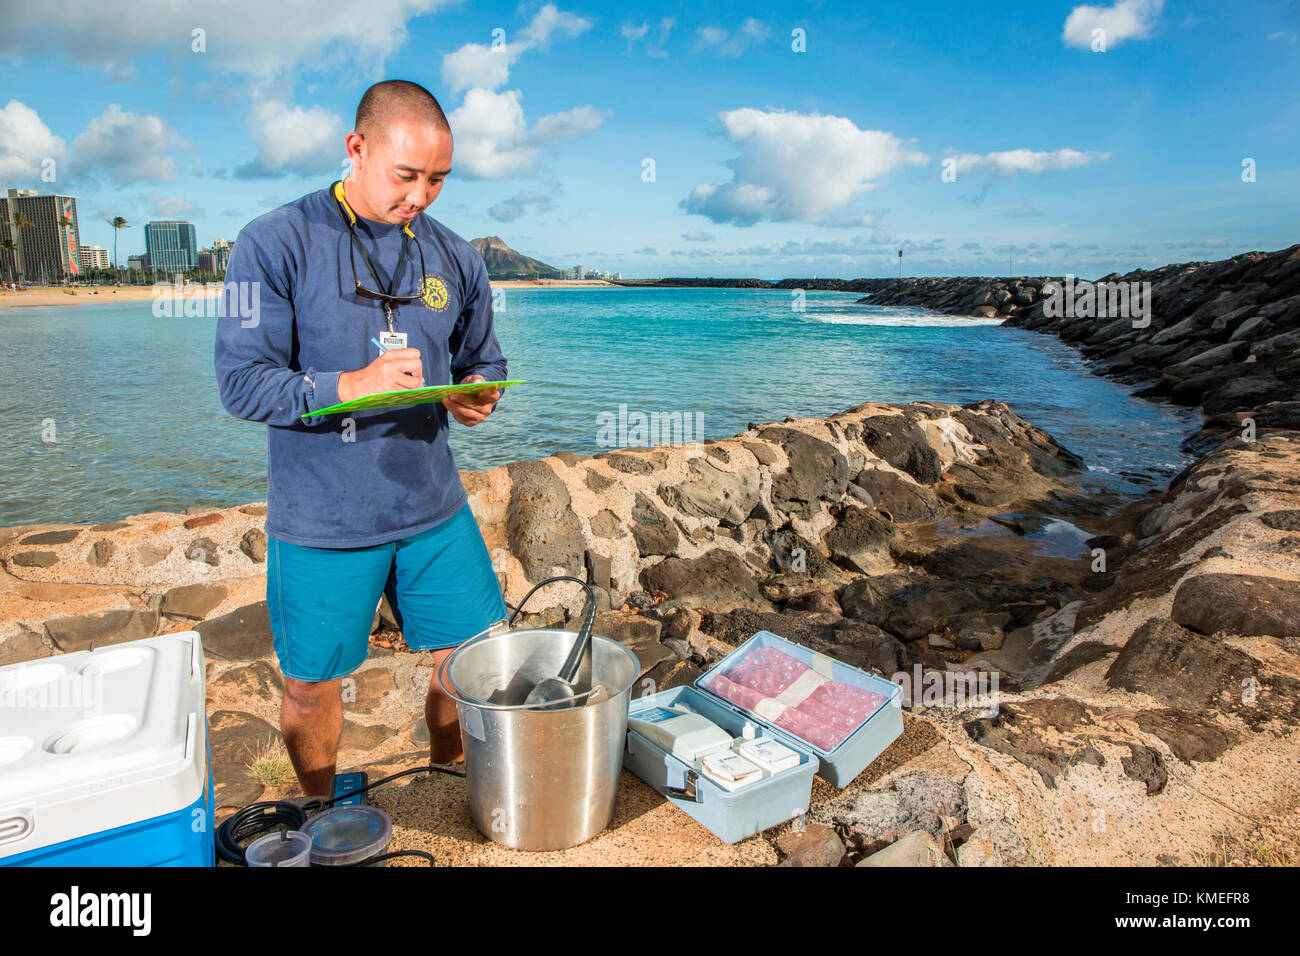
[393,370]
[469,409]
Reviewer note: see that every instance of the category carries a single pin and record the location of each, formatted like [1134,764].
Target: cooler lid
[97,739]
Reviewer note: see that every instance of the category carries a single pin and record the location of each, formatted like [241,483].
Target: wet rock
[253,544]
[84,632]
[192,601]
[242,635]
[652,530]
[1245,604]
[35,559]
[814,845]
[541,527]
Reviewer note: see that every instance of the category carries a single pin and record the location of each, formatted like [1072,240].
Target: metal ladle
[574,679]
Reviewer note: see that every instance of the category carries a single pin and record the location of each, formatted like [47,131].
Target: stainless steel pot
[539,779]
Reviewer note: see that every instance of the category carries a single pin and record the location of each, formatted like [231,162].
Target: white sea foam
[904,318]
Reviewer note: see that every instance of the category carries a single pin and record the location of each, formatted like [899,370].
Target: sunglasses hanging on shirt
[386,297]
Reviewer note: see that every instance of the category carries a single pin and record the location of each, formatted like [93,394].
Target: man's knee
[310,695]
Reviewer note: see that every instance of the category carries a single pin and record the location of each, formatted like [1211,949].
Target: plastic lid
[274,850]
[346,835]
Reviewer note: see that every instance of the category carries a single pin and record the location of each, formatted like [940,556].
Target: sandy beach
[101,294]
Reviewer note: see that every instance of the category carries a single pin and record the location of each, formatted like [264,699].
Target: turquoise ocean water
[130,400]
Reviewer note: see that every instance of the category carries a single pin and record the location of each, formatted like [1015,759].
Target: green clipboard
[412,396]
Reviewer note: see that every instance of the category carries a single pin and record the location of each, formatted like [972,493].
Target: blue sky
[767,161]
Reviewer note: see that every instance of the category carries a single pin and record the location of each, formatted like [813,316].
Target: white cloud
[490,130]
[569,125]
[1126,20]
[251,38]
[127,147]
[491,135]
[1012,161]
[293,139]
[551,20]
[797,167]
[697,235]
[751,33]
[25,143]
[636,34]
[169,207]
[476,64]
[508,210]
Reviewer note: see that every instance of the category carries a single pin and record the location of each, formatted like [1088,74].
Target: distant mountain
[504,263]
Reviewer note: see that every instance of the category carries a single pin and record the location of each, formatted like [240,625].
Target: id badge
[392,340]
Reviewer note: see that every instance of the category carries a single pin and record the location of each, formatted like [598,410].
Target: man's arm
[254,342]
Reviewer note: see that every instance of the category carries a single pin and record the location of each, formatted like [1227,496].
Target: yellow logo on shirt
[435,293]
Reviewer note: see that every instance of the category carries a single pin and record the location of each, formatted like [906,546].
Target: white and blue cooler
[104,757]
[735,815]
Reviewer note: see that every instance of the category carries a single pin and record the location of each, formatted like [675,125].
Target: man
[368,502]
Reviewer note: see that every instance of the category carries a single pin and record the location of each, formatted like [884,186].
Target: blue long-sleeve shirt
[291,323]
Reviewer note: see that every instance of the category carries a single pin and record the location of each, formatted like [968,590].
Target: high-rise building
[93,257]
[171,245]
[47,242]
[138,263]
[216,258]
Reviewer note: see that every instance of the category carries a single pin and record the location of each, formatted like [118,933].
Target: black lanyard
[387,289]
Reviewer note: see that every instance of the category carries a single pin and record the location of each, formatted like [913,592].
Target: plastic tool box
[765,682]
[105,759]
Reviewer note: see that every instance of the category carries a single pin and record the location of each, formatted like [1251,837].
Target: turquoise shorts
[440,584]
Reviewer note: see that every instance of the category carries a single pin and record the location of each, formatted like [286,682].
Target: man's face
[401,172]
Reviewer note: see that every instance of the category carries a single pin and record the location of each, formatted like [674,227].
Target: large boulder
[541,527]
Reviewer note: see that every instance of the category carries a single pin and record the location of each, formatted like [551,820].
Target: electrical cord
[258,818]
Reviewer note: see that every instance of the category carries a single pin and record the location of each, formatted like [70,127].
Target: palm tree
[8,245]
[19,221]
[117,222]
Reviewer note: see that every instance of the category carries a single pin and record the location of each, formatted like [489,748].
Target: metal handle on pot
[578,662]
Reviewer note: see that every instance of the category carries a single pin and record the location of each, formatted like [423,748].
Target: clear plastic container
[346,835]
[292,848]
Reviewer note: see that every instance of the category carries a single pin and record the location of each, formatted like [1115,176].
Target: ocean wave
[905,318]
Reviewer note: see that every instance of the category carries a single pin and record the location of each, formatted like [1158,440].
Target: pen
[382,350]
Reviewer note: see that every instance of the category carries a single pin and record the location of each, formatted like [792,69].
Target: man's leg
[311,720]
[448,592]
[321,602]
[440,715]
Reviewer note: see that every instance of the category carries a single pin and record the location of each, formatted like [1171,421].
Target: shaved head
[394,101]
